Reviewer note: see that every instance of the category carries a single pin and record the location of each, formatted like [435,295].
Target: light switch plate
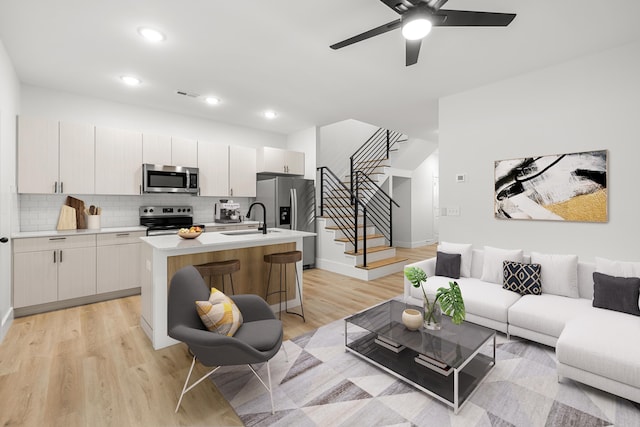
[454,211]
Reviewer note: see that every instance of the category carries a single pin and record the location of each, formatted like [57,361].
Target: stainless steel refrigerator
[290,203]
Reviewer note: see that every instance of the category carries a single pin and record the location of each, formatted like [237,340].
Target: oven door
[169,179]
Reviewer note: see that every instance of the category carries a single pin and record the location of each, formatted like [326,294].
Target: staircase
[355,235]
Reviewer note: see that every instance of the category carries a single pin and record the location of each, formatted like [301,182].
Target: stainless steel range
[166,219]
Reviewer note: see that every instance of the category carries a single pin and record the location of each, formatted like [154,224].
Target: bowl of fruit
[190,233]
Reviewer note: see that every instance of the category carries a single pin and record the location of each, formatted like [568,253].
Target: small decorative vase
[432,316]
[412,319]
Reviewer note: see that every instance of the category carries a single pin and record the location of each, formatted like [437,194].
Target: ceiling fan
[418,16]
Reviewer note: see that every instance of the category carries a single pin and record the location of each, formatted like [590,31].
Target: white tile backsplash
[40,212]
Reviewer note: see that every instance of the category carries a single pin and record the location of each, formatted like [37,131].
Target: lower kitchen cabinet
[118,261]
[48,269]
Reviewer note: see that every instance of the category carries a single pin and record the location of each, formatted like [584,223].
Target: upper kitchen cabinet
[184,152]
[279,161]
[165,150]
[156,149]
[242,171]
[118,161]
[55,157]
[213,166]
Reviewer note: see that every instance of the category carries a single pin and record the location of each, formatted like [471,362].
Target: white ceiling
[259,54]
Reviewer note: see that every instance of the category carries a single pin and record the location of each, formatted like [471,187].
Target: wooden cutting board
[67,219]
[78,205]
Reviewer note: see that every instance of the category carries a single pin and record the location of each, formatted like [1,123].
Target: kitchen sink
[241,233]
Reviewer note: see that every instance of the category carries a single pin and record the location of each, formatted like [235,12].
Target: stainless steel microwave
[169,179]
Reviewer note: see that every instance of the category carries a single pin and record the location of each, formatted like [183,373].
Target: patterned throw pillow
[220,314]
[522,278]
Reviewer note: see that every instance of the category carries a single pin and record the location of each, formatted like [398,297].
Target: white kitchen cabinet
[55,157]
[156,149]
[184,152]
[279,161]
[77,158]
[118,161]
[242,171]
[213,167]
[118,259]
[48,269]
[37,155]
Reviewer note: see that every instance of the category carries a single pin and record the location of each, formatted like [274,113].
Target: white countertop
[54,233]
[214,241]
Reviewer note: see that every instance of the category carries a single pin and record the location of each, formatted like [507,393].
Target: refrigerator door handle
[294,209]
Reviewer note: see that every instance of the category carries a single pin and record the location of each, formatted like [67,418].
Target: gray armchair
[256,341]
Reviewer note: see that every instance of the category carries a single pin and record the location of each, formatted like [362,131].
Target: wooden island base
[253,274]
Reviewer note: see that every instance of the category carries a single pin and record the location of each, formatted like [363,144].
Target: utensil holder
[93,222]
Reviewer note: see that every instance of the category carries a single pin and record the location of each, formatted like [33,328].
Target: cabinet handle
[55,187]
[57,238]
[61,187]
[140,189]
[54,257]
[231,192]
[60,255]
[122,234]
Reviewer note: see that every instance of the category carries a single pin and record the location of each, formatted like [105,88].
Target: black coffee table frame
[456,346]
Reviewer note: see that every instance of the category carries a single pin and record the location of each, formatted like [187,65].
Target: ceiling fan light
[416,29]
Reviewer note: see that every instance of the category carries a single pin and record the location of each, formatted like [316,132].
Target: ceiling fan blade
[465,18]
[368,34]
[413,50]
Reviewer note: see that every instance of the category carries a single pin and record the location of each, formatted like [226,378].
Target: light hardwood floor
[93,366]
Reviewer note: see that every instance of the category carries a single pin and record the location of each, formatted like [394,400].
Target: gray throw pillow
[448,265]
[616,293]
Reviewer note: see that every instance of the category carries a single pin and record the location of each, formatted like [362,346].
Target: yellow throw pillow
[220,314]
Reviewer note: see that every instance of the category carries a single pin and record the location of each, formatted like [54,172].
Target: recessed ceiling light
[151,35]
[130,80]
[212,100]
[269,114]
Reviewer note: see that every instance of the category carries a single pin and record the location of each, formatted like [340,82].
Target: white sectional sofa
[594,346]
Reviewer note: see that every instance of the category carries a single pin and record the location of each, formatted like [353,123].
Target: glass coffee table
[447,364]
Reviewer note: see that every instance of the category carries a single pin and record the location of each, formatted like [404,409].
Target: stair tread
[380,159]
[369,236]
[337,216]
[382,263]
[370,250]
[338,227]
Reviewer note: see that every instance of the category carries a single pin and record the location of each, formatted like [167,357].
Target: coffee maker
[226,211]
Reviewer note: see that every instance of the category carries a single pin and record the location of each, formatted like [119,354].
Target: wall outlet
[454,211]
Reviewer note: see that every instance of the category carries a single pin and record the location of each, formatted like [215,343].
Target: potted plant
[448,300]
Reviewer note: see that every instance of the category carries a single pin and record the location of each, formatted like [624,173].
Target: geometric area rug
[322,385]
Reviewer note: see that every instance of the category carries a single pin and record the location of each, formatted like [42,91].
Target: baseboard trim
[7,320]
[413,245]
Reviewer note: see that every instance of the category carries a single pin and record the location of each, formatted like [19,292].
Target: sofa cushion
[522,278]
[547,314]
[448,265]
[616,293]
[493,259]
[559,273]
[483,299]
[602,343]
[617,268]
[465,251]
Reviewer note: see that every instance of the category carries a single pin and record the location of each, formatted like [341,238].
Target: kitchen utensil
[78,205]
[67,219]
[92,210]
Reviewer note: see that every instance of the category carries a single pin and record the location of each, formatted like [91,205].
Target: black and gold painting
[562,187]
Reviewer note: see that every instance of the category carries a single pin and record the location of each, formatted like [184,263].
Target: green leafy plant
[451,301]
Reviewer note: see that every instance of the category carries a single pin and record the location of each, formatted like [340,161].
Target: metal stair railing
[336,203]
[373,153]
[378,203]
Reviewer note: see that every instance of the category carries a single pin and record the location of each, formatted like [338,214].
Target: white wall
[306,141]
[9,107]
[54,104]
[586,104]
[339,141]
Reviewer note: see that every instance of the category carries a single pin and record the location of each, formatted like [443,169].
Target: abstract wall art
[563,187]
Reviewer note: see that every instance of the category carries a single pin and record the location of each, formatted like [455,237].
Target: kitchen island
[163,255]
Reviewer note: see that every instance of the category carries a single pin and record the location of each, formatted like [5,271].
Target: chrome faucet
[264,216]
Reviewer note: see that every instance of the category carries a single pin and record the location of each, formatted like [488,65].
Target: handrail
[378,188]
